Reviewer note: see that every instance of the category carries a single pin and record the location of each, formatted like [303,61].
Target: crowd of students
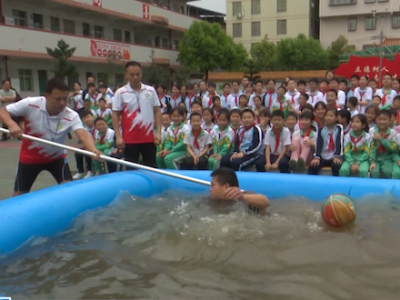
[299,125]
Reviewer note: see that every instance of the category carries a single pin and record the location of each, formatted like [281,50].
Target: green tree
[264,55]
[301,53]
[156,74]
[252,70]
[63,67]
[207,47]
[113,67]
[181,76]
[338,47]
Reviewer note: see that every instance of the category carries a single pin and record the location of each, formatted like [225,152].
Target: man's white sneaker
[78,176]
[88,174]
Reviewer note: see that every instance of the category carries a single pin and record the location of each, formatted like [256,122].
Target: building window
[352,24]
[370,23]
[157,42]
[102,77]
[175,46]
[237,30]
[19,17]
[396,21]
[368,46]
[236,8]
[255,7]
[54,24]
[281,5]
[342,2]
[255,28]
[164,42]
[69,26]
[383,0]
[117,35]
[37,21]
[369,1]
[98,31]
[25,80]
[86,29]
[127,37]
[119,79]
[281,27]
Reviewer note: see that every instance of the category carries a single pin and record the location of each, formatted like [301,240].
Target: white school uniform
[207,128]
[293,97]
[204,139]
[284,140]
[207,100]
[316,97]
[233,100]
[388,97]
[313,136]
[341,100]
[363,95]
[251,100]
[354,112]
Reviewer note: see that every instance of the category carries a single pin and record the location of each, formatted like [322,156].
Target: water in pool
[179,248]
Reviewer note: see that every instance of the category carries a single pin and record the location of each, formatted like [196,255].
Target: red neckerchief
[280,104]
[94,99]
[102,112]
[242,134]
[101,141]
[331,146]
[398,118]
[277,139]
[236,101]
[355,141]
[175,132]
[92,132]
[346,132]
[298,123]
[175,99]
[196,135]
[270,98]
[319,124]
[210,99]
[235,131]
[215,114]
[381,148]
[307,133]
[292,99]
[361,98]
[226,98]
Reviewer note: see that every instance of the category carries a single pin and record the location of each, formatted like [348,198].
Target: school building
[250,21]
[106,34]
[361,21]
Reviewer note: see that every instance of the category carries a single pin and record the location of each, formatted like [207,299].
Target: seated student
[277,142]
[174,149]
[163,98]
[310,108]
[195,108]
[328,150]
[87,120]
[376,101]
[208,120]
[182,106]
[352,106]
[281,103]
[331,99]
[103,92]
[222,137]
[344,118]
[216,106]
[396,107]
[265,117]
[303,142]
[248,147]
[370,113]
[319,112]
[235,117]
[383,145]
[356,148]
[198,142]
[257,107]
[303,99]
[104,112]
[104,141]
[291,122]
[86,107]
[92,95]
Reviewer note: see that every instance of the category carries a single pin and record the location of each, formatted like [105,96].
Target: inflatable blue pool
[50,211]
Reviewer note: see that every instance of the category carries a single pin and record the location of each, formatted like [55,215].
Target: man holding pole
[50,119]
[137,107]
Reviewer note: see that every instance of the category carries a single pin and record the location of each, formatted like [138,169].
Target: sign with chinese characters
[109,50]
[146,11]
[369,66]
[98,3]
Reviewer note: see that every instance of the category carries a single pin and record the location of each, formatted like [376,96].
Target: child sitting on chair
[198,142]
[104,142]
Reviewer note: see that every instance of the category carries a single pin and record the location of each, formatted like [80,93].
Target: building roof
[391,42]
[389,52]
[277,75]
[218,6]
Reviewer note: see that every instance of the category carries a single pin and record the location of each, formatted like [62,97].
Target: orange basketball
[338,210]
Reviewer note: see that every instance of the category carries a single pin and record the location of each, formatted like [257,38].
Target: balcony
[334,8]
[31,43]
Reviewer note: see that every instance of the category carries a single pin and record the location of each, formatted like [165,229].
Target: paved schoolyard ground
[9,153]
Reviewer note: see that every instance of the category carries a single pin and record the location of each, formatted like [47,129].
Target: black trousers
[27,173]
[148,152]
[79,158]
[188,163]
[240,164]
[283,165]
[112,167]
[314,170]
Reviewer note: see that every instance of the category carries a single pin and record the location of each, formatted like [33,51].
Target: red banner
[98,3]
[146,11]
[369,66]
[109,50]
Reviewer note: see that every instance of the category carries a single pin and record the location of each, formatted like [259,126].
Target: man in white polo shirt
[47,118]
[137,107]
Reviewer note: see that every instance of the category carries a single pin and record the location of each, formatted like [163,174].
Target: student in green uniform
[104,142]
[222,136]
[174,149]
[383,145]
[356,148]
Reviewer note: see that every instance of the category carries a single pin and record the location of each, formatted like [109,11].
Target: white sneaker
[88,174]
[78,176]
